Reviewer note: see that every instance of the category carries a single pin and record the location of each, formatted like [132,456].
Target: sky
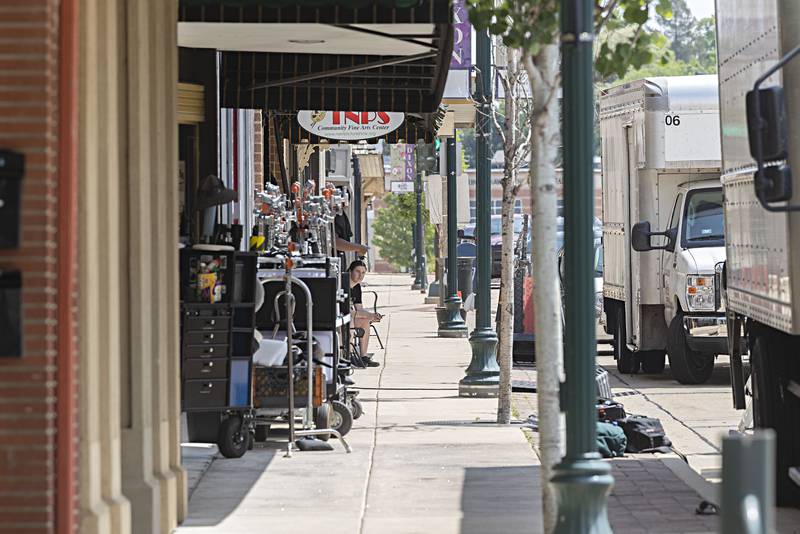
[701,8]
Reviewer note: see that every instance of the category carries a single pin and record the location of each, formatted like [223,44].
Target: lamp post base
[451,324]
[483,374]
[582,487]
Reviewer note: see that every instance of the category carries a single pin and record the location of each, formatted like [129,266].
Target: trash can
[465,276]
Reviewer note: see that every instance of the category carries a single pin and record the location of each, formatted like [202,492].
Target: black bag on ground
[645,434]
[609,410]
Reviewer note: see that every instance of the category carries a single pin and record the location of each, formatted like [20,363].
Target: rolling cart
[217,325]
[275,404]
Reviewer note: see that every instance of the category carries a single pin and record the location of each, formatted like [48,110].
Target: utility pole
[451,324]
[582,482]
[483,374]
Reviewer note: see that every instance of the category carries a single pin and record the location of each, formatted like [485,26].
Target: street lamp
[451,324]
[581,480]
[483,374]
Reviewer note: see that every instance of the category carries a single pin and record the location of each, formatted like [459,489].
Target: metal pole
[483,374]
[581,480]
[748,483]
[421,280]
[451,324]
[357,199]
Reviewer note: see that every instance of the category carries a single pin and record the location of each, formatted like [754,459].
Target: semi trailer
[759,95]
[663,230]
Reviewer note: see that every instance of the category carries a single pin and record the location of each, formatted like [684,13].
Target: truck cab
[692,254]
[663,225]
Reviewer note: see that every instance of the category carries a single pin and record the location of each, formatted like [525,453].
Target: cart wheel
[233,440]
[322,419]
[341,418]
[262,432]
[358,409]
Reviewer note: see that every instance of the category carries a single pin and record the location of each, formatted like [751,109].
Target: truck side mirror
[640,237]
[641,234]
[768,135]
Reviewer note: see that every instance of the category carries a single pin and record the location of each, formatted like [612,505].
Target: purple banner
[462,37]
[410,162]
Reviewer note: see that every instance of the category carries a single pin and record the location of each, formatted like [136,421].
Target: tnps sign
[350,125]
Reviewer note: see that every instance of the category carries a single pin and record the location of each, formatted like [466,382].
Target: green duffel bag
[611,440]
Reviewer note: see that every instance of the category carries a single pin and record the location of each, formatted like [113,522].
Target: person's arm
[347,246]
[359,311]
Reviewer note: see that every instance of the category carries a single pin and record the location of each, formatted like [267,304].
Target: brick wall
[28,123]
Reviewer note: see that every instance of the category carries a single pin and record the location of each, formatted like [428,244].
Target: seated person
[361,318]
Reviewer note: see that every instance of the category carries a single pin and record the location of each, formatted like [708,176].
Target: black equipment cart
[217,324]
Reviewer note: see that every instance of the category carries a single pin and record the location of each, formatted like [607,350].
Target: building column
[139,431]
[163,243]
[103,506]
[172,392]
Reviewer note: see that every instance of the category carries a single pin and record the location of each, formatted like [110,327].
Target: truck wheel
[774,364]
[627,363]
[687,366]
[653,361]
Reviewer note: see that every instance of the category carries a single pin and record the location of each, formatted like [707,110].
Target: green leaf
[664,8]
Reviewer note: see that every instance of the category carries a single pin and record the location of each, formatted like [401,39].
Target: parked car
[497,240]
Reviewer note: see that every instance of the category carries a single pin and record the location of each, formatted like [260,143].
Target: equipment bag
[609,410]
[610,440]
[645,434]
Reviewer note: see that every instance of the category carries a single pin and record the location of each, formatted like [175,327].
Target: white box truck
[663,229]
[761,179]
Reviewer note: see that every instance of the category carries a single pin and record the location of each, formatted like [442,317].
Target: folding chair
[372,325]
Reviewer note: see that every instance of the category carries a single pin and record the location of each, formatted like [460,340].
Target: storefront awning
[360,55]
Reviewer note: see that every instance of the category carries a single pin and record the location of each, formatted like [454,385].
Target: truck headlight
[700,293]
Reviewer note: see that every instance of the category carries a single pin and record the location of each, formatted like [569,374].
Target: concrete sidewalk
[424,460]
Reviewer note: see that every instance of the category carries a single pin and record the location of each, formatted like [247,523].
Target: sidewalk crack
[373,447]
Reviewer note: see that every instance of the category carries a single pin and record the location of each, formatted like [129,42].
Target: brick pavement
[647,495]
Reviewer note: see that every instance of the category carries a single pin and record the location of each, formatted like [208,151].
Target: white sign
[350,125]
[689,136]
[402,187]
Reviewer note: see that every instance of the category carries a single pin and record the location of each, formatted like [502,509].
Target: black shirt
[355,294]
[341,225]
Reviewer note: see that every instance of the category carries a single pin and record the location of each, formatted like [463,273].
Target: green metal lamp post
[451,324]
[421,278]
[483,374]
[581,480]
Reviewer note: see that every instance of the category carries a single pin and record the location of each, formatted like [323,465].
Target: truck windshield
[703,224]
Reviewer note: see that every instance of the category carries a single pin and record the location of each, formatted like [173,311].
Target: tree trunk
[543,73]
[505,336]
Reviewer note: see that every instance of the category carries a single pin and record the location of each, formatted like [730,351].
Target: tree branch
[602,22]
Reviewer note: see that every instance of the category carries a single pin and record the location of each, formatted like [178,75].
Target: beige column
[173,390]
[139,483]
[163,244]
[103,507]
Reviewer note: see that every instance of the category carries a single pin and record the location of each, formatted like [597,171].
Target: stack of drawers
[206,352]
[217,338]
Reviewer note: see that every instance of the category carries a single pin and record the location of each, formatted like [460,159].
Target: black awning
[317,11]
[287,81]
